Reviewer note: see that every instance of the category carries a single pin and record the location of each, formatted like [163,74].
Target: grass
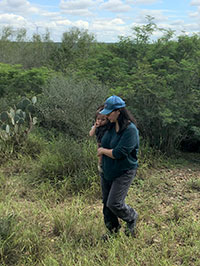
[47,224]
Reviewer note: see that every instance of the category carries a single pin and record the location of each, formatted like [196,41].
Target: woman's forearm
[106,152]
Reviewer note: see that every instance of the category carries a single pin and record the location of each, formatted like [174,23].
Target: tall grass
[68,164]
[51,209]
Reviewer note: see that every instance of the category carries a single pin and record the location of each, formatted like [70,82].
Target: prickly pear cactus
[4,117]
[17,123]
[23,104]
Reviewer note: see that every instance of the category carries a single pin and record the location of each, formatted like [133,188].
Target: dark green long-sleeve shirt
[125,148]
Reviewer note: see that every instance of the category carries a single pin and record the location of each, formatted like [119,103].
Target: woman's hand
[107,152]
[100,151]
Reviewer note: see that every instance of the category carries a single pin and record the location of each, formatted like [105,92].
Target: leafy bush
[68,160]
[69,104]
[35,144]
[149,157]
[15,81]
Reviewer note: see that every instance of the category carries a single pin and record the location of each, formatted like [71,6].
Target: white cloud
[178,23]
[13,20]
[76,4]
[195,3]
[108,24]
[142,2]
[51,15]
[108,29]
[68,23]
[157,14]
[9,18]
[78,12]
[188,28]
[192,27]
[76,7]
[116,6]
[60,25]
[145,2]
[64,22]
[17,6]
[194,14]
[17,3]
[81,24]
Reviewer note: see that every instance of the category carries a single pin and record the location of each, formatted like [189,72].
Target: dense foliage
[159,79]
[69,104]
[15,81]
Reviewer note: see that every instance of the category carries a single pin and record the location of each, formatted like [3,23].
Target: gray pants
[114,206]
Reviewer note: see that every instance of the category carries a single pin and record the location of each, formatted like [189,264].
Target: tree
[15,81]
[76,46]
[17,48]
[162,86]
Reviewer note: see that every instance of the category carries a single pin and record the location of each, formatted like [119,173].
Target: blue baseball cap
[112,103]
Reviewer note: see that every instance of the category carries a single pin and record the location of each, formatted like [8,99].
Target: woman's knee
[113,205]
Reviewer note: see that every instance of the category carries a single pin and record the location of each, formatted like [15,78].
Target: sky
[107,20]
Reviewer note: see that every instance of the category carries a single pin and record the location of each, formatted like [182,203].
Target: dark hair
[125,118]
[99,109]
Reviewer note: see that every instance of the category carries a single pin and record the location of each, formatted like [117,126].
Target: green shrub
[15,81]
[69,104]
[149,158]
[35,144]
[68,160]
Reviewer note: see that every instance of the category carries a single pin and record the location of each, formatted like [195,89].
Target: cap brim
[105,111]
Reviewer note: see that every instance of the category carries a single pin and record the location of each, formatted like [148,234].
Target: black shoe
[130,226]
[116,229]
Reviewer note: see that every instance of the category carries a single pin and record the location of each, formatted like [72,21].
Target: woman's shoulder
[131,125]
[132,129]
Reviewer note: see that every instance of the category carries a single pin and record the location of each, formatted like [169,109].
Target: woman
[119,157]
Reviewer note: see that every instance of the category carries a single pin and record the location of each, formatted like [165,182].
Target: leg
[117,195]
[110,219]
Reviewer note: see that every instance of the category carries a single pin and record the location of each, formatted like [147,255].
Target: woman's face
[113,116]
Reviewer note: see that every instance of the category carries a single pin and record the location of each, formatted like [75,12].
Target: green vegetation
[15,125]
[161,76]
[15,81]
[50,197]
[51,210]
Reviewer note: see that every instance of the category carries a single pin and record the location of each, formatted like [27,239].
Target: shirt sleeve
[127,143]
